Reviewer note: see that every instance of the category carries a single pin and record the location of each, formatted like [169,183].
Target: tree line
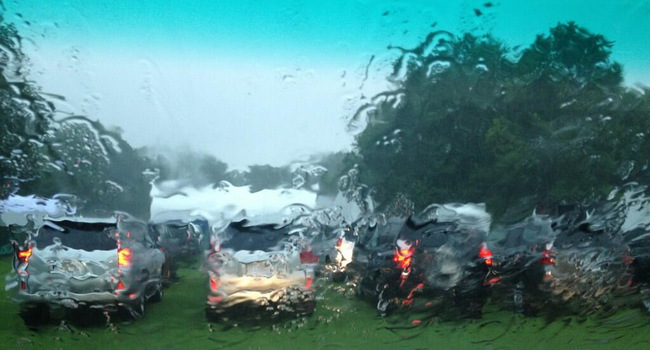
[469,119]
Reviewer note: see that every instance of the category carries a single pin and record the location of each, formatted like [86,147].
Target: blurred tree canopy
[74,156]
[471,119]
[24,117]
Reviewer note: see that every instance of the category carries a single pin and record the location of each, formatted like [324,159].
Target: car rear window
[85,236]
[259,237]
[178,231]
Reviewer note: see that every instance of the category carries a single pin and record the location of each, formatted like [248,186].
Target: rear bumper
[68,299]
[261,306]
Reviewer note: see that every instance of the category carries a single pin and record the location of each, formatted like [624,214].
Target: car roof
[83,220]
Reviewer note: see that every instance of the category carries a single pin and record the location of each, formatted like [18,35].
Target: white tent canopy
[222,203]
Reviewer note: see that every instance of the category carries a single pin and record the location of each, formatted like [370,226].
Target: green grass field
[339,322]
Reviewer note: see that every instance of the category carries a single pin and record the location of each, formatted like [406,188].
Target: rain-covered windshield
[454,174]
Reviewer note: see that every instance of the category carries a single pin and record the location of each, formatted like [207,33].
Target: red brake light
[124,257]
[402,257]
[214,285]
[485,254]
[24,255]
[546,258]
[308,257]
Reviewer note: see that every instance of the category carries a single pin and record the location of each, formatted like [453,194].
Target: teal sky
[252,72]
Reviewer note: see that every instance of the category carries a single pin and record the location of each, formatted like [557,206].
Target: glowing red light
[485,254]
[124,257]
[24,255]
[416,322]
[308,257]
[402,257]
[308,283]
[120,285]
[214,285]
[546,258]
[494,280]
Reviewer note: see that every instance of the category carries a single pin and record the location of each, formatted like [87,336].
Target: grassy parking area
[339,322]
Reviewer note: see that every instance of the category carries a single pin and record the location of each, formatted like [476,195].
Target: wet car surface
[438,258]
[77,263]
[358,115]
[259,272]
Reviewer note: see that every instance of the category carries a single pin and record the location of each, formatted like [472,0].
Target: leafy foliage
[24,116]
[473,120]
[75,156]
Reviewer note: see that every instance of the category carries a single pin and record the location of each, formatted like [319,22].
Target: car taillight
[24,255]
[124,257]
[214,284]
[485,254]
[308,257]
[402,257]
[547,258]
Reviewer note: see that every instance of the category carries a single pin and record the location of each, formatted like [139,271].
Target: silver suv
[259,272]
[70,263]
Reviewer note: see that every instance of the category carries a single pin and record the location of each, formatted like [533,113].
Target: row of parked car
[571,262]
[447,259]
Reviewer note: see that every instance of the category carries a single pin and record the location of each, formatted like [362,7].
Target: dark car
[523,263]
[639,257]
[593,267]
[432,260]
[82,263]
[573,263]
[179,241]
[260,271]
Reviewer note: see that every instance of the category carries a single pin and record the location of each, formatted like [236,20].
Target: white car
[259,272]
[71,263]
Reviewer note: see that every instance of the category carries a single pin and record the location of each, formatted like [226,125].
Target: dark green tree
[24,116]
[473,120]
[76,156]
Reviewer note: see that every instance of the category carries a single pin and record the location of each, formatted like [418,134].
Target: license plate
[259,269]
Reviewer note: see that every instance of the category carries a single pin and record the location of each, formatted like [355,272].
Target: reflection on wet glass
[490,190]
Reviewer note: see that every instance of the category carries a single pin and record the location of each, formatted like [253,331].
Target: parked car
[259,271]
[179,241]
[573,263]
[593,267]
[639,258]
[524,262]
[73,263]
[438,257]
